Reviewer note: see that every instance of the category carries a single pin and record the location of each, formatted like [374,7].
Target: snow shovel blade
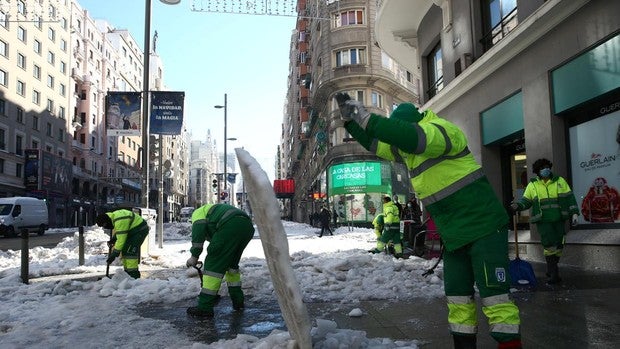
[522,273]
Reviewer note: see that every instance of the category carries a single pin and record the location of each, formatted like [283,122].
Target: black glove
[352,110]
[112,256]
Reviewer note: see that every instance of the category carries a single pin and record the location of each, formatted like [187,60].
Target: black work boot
[464,342]
[206,302]
[554,273]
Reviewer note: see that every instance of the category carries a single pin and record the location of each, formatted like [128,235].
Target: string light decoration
[286,8]
[30,11]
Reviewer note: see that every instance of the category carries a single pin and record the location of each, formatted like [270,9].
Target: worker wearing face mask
[552,203]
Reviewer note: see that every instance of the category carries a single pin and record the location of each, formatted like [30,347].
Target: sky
[56,310]
[208,55]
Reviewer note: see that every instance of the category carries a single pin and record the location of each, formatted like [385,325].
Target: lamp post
[225,106]
[145,98]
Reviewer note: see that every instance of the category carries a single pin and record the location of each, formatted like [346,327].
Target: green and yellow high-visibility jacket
[211,216]
[551,200]
[123,221]
[444,174]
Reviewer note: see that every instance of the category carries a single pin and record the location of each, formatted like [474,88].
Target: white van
[186,214]
[23,213]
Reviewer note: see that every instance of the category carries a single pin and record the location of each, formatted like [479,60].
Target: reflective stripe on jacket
[123,221]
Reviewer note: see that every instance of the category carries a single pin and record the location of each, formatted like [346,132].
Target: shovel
[521,272]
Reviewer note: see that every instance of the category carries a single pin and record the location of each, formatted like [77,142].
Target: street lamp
[225,106]
[145,98]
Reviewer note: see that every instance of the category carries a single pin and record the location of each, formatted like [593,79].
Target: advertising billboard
[166,112]
[122,117]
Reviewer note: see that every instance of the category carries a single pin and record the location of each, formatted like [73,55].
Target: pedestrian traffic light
[214,183]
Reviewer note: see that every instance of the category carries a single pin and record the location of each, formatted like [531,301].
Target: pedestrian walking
[454,190]
[228,231]
[325,217]
[552,204]
[128,233]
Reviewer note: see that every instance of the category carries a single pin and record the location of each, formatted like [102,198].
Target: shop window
[435,71]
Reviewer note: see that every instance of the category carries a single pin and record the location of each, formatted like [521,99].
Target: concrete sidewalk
[583,312]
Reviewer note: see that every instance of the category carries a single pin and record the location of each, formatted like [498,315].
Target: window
[34,144]
[500,17]
[48,129]
[4,19]
[51,34]
[1,165]
[35,122]
[50,106]
[3,77]
[18,173]
[21,7]
[19,147]
[21,61]
[350,56]
[62,89]
[435,71]
[351,17]
[19,117]
[38,21]
[21,34]
[376,99]
[61,112]
[2,139]
[51,57]
[63,67]
[63,45]
[50,81]
[21,88]
[61,135]
[36,72]
[36,97]
[4,49]
[2,107]
[36,46]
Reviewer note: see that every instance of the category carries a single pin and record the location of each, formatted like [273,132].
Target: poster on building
[166,112]
[122,117]
[595,160]
[31,169]
[56,174]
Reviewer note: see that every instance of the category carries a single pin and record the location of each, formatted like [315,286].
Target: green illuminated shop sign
[355,177]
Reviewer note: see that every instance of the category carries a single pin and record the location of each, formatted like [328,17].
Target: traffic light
[153,149]
[214,184]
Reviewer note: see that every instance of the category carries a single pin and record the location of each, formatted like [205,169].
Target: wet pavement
[582,312]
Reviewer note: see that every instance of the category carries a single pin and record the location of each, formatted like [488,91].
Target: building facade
[333,49]
[57,66]
[525,80]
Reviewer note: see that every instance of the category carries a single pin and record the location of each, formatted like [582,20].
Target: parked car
[186,214]
[20,213]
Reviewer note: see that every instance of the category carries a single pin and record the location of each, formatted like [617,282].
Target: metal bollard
[81,244]
[25,266]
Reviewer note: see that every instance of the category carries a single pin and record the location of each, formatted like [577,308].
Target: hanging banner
[123,114]
[31,169]
[166,112]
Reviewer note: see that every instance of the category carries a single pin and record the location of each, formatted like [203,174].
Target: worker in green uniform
[471,220]
[552,203]
[228,231]
[128,233]
[391,228]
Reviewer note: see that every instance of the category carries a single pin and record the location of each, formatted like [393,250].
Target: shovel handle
[514,219]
